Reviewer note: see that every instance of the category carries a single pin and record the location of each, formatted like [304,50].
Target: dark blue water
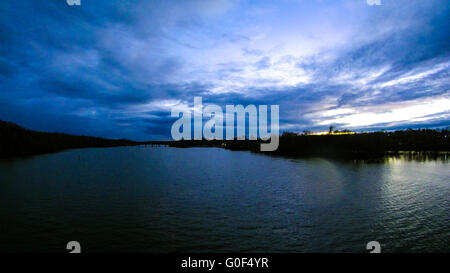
[160,199]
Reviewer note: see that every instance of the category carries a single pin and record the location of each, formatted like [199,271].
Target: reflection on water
[411,156]
[164,199]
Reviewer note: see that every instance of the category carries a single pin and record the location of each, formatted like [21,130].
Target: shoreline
[16,141]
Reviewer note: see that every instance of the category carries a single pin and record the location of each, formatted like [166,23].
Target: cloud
[115,68]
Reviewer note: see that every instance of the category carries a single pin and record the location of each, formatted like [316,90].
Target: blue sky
[116,68]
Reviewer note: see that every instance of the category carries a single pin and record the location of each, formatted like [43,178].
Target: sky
[116,68]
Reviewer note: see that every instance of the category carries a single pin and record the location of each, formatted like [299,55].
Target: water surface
[161,199]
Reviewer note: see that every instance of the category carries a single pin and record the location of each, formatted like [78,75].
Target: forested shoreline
[18,141]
